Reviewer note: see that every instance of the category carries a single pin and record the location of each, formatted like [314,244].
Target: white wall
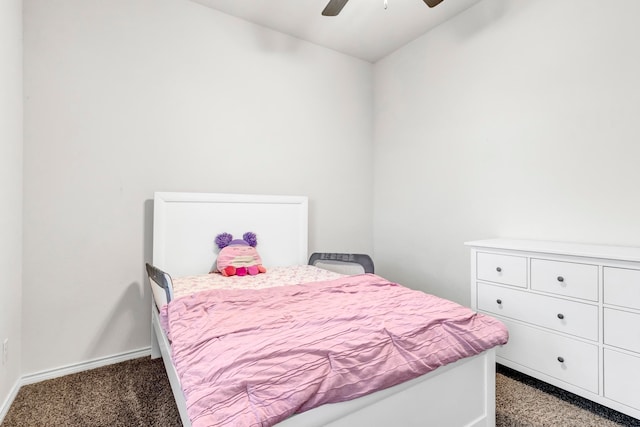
[515,119]
[10,193]
[128,97]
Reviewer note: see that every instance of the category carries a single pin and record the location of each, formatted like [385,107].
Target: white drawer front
[566,316]
[622,329]
[540,350]
[505,269]
[565,278]
[622,287]
[622,378]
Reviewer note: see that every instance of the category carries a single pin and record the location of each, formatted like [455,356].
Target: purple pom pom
[223,240]
[250,238]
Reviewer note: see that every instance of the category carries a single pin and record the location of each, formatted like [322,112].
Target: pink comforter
[256,357]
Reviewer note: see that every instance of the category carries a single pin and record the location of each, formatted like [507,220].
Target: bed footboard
[459,394]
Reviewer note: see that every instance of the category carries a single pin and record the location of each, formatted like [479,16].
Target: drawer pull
[498,269]
[560,279]
[560,359]
[499,301]
[560,316]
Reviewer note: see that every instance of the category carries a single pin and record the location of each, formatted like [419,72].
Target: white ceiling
[364,28]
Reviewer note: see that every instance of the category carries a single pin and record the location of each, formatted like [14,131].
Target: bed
[462,393]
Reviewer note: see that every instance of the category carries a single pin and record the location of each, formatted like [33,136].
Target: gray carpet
[523,401]
[137,393]
[127,394]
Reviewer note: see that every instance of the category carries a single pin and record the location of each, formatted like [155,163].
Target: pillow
[238,257]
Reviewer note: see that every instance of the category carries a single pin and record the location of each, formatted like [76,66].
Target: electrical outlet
[5,350]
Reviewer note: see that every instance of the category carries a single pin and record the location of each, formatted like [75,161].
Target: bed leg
[155,347]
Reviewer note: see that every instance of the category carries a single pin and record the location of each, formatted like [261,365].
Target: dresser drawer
[570,317]
[572,361]
[622,287]
[565,278]
[505,269]
[622,378]
[622,329]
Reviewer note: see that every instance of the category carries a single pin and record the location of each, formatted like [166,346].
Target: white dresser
[573,313]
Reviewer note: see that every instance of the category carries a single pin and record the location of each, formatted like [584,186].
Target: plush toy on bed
[238,257]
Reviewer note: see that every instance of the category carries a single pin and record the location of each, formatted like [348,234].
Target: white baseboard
[9,400]
[84,366]
[67,370]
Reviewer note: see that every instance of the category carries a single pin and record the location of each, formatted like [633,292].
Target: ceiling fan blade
[334,7]
[432,3]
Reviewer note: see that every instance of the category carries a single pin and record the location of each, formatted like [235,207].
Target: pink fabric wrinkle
[256,357]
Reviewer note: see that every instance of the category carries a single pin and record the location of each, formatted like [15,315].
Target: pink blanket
[256,357]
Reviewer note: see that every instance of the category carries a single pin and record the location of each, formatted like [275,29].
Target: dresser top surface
[623,253]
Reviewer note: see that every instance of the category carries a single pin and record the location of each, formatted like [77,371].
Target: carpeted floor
[137,393]
[524,401]
[127,394]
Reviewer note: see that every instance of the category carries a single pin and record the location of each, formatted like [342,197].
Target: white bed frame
[184,229]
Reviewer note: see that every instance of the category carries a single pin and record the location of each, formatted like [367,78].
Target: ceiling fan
[335,6]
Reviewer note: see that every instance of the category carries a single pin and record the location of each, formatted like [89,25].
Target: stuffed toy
[238,257]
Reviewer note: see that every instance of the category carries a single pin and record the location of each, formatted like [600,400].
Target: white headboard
[185,226]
